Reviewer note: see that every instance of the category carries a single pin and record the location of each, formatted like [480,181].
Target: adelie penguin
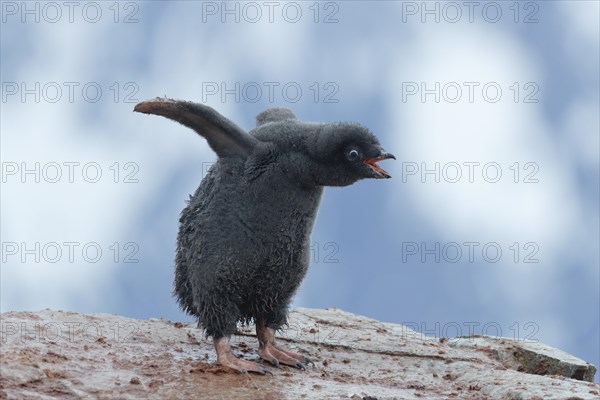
[243,246]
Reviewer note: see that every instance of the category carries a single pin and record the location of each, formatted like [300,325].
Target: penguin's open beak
[379,173]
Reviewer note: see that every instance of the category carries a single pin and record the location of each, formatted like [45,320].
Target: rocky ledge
[57,354]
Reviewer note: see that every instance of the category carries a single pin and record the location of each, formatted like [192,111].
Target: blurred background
[490,224]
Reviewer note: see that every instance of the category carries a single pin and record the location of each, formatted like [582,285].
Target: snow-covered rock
[57,354]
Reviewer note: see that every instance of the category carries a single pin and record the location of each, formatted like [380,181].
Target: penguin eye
[353,155]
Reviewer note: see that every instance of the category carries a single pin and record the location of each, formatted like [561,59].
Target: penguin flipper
[275,114]
[223,135]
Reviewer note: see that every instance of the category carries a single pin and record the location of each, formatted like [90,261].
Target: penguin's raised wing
[223,135]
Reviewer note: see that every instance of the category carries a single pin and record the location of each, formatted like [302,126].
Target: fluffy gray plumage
[244,238]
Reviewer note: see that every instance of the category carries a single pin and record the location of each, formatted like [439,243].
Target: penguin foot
[274,354]
[226,359]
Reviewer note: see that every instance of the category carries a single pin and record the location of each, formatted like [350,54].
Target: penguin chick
[243,246]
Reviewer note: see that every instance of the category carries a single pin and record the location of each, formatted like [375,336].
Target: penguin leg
[269,351]
[226,358]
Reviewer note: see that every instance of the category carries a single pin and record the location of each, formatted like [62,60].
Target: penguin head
[344,153]
[321,154]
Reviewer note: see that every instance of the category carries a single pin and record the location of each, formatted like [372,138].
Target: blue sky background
[369,58]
